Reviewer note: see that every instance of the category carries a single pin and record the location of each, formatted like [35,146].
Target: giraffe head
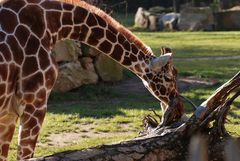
[160,78]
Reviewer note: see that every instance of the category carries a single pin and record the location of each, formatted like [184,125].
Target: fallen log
[171,143]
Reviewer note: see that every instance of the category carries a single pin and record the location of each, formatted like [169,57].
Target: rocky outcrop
[196,18]
[73,75]
[141,18]
[169,21]
[156,19]
[78,64]
[108,69]
[228,19]
[66,51]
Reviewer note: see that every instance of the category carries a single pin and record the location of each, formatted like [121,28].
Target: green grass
[119,115]
[194,44]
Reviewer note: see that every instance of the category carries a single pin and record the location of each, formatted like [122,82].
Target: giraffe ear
[159,62]
[165,50]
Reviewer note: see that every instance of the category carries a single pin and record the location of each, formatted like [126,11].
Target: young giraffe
[28,31]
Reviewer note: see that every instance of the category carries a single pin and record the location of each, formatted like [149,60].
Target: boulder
[196,18]
[153,23]
[87,63]
[157,10]
[228,19]
[73,75]
[89,51]
[168,21]
[141,18]
[108,69]
[66,50]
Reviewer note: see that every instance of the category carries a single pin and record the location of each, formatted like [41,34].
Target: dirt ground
[129,85]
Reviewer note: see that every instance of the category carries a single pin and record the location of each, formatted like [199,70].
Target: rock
[141,18]
[152,23]
[89,51]
[66,50]
[87,63]
[108,69]
[196,18]
[73,75]
[228,19]
[157,10]
[169,21]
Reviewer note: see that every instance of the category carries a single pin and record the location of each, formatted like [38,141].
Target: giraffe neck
[90,25]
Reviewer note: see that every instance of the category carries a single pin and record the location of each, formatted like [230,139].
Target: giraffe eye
[168,77]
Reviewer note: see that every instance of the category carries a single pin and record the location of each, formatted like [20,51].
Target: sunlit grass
[119,116]
[194,44]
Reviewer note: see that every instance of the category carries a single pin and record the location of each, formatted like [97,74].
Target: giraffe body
[28,31]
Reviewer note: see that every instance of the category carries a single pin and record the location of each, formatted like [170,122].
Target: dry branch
[169,143]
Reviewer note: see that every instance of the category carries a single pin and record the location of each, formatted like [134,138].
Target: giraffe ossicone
[28,31]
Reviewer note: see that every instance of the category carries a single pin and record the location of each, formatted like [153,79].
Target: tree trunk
[172,143]
[226,4]
[176,6]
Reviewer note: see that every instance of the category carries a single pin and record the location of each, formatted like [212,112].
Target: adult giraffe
[28,31]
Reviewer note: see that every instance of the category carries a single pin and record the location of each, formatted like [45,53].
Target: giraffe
[28,31]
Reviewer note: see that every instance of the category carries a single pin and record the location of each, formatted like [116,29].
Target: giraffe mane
[128,34]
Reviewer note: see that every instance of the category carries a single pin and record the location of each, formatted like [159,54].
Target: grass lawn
[96,114]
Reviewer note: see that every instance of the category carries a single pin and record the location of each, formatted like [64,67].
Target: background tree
[176,6]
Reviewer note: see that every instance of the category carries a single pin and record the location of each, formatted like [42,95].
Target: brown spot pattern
[17,51]
[95,36]
[68,7]
[51,5]
[75,33]
[31,86]
[53,21]
[15,5]
[79,15]
[83,33]
[43,59]
[30,66]
[65,31]
[3,72]
[32,46]
[101,22]
[50,78]
[35,20]
[105,47]
[8,20]
[91,20]
[117,52]
[110,36]
[67,18]
[2,36]
[126,61]
[6,52]
[22,34]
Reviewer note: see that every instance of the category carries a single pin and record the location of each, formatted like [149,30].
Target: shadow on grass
[99,101]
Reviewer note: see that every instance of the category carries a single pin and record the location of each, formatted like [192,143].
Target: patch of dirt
[190,82]
[84,131]
[135,85]
[130,85]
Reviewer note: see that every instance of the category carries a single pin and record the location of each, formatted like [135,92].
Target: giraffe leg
[30,125]
[7,126]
